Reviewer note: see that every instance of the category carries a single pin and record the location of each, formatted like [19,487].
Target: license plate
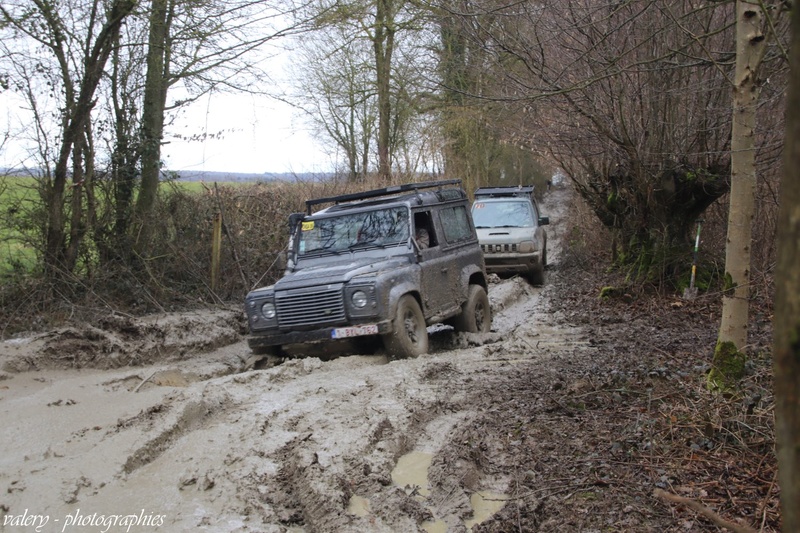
[355,331]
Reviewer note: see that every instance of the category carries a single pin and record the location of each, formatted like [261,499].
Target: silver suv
[510,231]
[387,262]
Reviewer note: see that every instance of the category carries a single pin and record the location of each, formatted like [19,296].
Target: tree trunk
[384,46]
[152,120]
[654,230]
[113,242]
[79,112]
[787,303]
[728,363]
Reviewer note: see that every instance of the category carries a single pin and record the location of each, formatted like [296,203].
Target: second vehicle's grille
[498,248]
[310,307]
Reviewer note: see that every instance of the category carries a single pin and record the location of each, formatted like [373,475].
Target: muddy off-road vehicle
[510,231]
[387,263]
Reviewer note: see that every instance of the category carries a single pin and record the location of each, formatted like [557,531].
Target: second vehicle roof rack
[406,187]
[521,190]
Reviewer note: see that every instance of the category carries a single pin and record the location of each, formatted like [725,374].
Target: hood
[332,272]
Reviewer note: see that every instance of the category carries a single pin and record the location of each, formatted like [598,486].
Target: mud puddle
[411,475]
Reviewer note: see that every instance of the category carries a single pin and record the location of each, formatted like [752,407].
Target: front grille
[310,307]
[498,248]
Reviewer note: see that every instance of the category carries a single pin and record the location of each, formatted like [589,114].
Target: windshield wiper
[365,244]
[322,251]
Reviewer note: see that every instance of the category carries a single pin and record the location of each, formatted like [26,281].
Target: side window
[423,230]
[455,223]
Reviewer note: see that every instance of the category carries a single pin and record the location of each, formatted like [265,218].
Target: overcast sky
[243,133]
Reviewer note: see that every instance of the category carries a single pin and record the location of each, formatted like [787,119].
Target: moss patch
[728,285]
[727,368]
[615,293]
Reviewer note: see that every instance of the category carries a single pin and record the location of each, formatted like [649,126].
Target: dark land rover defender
[387,262]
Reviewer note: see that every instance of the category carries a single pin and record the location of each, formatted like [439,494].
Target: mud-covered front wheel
[476,315]
[409,336]
[536,273]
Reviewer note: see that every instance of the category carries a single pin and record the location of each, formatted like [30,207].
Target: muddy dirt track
[168,424]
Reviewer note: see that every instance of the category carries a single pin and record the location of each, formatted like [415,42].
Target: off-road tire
[536,275]
[476,314]
[544,254]
[409,336]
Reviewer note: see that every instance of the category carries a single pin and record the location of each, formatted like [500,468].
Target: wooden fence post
[216,250]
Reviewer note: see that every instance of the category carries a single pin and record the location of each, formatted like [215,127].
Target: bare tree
[729,354]
[80,40]
[199,46]
[787,304]
[382,34]
[631,99]
[202,46]
[393,32]
[337,92]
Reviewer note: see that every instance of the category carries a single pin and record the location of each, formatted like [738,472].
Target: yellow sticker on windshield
[308,226]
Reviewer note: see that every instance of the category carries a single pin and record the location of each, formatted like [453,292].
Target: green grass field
[18,200]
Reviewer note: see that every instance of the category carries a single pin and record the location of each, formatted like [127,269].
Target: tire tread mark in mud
[192,416]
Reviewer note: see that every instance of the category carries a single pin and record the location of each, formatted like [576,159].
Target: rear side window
[455,223]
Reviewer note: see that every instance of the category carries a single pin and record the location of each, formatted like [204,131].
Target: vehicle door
[460,247]
[434,265]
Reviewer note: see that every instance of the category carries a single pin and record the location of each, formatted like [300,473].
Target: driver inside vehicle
[422,237]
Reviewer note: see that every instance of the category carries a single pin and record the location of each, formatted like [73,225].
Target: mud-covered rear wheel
[409,336]
[476,315]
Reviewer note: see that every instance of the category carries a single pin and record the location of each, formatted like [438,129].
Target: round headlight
[268,310]
[359,299]
[527,247]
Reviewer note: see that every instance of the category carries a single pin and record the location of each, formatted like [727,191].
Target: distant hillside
[201,175]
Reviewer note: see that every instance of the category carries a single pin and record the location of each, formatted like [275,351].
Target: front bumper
[266,338]
[500,263]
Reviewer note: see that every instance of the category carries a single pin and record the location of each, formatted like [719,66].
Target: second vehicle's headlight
[359,299]
[526,247]
[268,310]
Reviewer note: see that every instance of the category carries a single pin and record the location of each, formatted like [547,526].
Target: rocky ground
[567,417]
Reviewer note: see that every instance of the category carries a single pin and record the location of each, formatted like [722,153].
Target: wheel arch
[474,276]
[398,292]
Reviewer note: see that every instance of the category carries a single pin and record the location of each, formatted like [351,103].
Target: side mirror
[294,221]
[544,221]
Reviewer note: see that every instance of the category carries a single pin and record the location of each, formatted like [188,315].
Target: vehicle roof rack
[520,190]
[386,191]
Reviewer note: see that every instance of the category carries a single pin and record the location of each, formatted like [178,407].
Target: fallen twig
[145,380]
[703,510]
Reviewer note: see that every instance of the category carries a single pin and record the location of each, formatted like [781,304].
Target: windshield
[354,231]
[503,214]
